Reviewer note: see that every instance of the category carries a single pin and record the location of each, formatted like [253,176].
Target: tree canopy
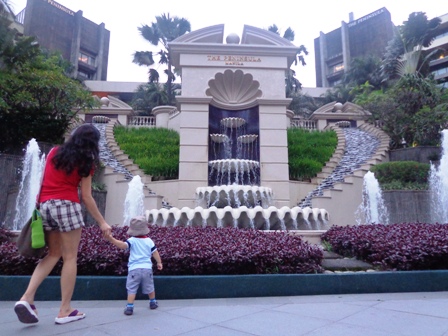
[405,53]
[37,99]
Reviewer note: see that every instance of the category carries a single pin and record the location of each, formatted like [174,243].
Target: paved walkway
[419,314]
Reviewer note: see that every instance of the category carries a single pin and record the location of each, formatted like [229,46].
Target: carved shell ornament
[233,88]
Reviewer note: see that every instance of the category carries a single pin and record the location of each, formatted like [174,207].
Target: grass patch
[154,150]
[308,151]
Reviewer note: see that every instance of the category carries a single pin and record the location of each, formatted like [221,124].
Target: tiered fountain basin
[233,122]
[234,165]
[219,138]
[234,196]
[271,218]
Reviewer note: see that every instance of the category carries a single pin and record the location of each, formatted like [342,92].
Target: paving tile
[342,329]
[376,314]
[214,314]
[398,323]
[268,323]
[327,311]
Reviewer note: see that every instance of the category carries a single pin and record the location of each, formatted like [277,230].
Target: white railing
[307,124]
[174,113]
[379,124]
[142,121]
[100,119]
[343,123]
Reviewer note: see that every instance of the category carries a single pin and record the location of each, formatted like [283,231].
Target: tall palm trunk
[169,83]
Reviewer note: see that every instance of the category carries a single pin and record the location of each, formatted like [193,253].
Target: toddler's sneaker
[153,305]
[129,310]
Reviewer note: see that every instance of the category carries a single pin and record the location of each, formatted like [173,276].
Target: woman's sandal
[26,312]
[73,316]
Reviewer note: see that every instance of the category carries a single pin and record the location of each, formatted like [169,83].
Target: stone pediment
[212,34]
[251,36]
[335,110]
[211,41]
[258,36]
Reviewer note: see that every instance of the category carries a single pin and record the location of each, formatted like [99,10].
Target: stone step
[335,262]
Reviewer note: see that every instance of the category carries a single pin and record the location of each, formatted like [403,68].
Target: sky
[307,19]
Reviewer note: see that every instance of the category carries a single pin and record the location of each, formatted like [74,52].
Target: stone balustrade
[307,124]
[142,121]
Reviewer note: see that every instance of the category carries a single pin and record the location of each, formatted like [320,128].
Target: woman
[67,166]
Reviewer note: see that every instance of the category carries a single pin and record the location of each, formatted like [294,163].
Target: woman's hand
[105,229]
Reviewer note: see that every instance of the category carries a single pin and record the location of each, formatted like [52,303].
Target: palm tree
[303,105]
[15,50]
[149,95]
[5,7]
[341,93]
[292,83]
[362,70]
[160,33]
[404,53]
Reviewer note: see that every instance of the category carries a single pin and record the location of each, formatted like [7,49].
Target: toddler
[141,249]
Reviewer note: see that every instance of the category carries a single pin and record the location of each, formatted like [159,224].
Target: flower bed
[406,246]
[188,251]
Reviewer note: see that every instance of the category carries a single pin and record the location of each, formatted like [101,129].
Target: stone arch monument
[225,82]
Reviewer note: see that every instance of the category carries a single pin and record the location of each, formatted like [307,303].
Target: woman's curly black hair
[79,152]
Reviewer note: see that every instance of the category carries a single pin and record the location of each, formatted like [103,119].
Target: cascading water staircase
[340,184]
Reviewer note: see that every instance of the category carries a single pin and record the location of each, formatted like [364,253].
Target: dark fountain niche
[234,147]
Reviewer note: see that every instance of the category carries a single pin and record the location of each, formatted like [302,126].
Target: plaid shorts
[139,276]
[61,215]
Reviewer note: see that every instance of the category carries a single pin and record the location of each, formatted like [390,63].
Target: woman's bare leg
[45,266]
[69,248]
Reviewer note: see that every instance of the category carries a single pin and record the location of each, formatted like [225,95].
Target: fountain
[32,169]
[438,182]
[133,204]
[234,197]
[372,209]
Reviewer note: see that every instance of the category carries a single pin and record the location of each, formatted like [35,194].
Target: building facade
[334,51]
[82,42]
[439,66]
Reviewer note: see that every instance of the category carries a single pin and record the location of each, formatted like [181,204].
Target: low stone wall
[407,206]
[9,183]
[100,200]
[422,154]
[234,286]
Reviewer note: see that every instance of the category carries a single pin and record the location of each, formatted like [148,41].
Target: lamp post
[403,142]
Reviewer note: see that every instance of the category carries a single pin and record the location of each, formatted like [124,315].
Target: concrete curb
[233,286]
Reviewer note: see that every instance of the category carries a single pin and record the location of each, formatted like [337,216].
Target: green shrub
[154,150]
[402,175]
[308,151]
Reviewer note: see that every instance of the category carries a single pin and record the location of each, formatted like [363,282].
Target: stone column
[162,114]
[274,149]
[290,116]
[193,155]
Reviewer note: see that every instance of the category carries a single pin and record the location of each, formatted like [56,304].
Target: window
[83,57]
[84,75]
[336,68]
[332,84]
[440,72]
